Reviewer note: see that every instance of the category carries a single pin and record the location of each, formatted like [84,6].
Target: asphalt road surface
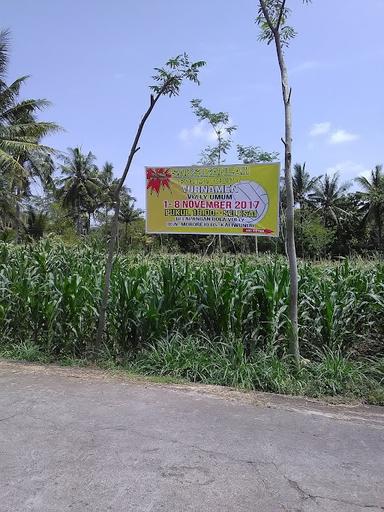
[78,440]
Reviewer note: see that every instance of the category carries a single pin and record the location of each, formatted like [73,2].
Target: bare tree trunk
[290,213]
[220,241]
[256,246]
[230,238]
[220,245]
[209,245]
[126,233]
[17,215]
[78,218]
[115,223]
[107,278]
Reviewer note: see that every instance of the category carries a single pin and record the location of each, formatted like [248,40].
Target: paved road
[72,440]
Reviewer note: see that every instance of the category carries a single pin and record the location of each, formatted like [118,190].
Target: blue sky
[93,60]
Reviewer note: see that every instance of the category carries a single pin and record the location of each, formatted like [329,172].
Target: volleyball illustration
[252,196]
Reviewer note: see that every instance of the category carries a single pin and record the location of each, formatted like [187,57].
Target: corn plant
[49,294]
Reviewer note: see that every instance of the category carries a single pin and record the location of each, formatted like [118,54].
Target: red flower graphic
[157,178]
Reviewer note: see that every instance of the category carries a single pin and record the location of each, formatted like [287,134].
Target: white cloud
[320,129]
[199,131]
[349,169]
[307,65]
[338,136]
[341,136]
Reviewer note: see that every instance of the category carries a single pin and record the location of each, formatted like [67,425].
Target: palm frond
[10,165]
[24,109]
[34,130]
[9,93]
[4,49]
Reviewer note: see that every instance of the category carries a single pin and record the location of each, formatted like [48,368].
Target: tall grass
[218,362]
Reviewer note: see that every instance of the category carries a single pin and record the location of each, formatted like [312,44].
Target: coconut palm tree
[7,204]
[302,184]
[80,190]
[36,223]
[106,173]
[373,199]
[106,178]
[20,132]
[128,212]
[327,195]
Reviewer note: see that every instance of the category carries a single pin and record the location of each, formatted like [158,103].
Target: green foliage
[50,294]
[255,155]
[219,120]
[312,237]
[25,351]
[336,374]
[328,196]
[128,213]
[36,224]
[20,131]
[220,124]
[302,184]
[221,320]
[168,79]
[22,156]
[7,234]
[225,362]
[272,19]
[372,200]
[80,189]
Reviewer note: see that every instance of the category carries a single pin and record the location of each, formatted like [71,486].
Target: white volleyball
[251,192]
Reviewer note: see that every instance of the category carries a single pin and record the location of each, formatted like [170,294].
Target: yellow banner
[225,199]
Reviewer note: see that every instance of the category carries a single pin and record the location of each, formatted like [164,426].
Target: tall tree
[7,203]
[255,155]
[108,183]
[350,235]
[272,20]
[80,188]
[106,174]
[36,223]
[302,184]
[128,212]
[20,132]
[222,128]
[167,82]
[373,200]
[328,194]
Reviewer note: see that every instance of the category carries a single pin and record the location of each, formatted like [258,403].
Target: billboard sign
[225,199]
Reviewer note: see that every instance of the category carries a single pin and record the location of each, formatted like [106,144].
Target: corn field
[49,295]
